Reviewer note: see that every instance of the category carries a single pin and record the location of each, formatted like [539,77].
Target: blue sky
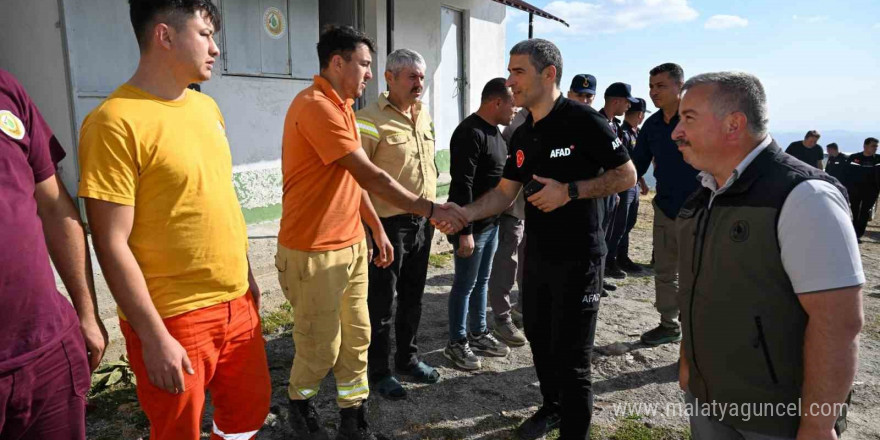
[818,60]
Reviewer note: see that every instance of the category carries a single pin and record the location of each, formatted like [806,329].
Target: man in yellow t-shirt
[156,173]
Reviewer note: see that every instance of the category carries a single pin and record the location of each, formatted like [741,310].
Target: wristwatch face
[572,191]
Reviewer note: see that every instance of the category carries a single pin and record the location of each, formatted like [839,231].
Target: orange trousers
[227,351]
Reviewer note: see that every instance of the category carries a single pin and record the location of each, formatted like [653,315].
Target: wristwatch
[572,191]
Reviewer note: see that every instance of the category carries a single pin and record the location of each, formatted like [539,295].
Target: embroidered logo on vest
[739,232]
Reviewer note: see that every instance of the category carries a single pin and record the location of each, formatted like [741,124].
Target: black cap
[583,83]
[640,106]
[620,90]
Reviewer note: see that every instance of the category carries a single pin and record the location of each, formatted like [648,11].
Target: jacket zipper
[702,226]
[763,343]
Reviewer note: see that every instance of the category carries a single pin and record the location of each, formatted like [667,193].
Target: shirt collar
[385,102]
[708,180]
[327,89]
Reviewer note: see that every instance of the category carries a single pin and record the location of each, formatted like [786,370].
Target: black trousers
[410,237]
[560,306]
[861,199]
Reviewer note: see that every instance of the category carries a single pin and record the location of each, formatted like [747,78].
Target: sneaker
[304,420]
[486,344]
[661,335]
[517,318]
[506,332]
[628,266]
[461,355]
[608,286]
[539,424]
[613,271]
[353,425]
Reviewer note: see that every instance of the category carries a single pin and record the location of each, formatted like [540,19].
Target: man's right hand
[643,186]
[166,360]
[449,218]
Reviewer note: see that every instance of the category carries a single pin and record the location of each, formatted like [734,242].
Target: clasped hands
[449,218]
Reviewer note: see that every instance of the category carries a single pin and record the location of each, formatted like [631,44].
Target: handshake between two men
[449,218]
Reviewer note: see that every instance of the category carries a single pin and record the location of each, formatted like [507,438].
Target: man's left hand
[552,196]
[255,291]
[96,339]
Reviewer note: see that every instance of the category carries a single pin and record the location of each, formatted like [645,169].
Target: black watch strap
[572,191]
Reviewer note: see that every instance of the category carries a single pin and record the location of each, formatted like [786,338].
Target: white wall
[32,50]
[418,28]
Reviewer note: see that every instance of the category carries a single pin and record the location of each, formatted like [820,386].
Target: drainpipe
[531,24]
[389,24]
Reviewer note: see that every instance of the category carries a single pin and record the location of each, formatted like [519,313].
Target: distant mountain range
[848,141]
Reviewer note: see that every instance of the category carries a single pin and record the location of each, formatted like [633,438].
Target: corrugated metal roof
[523,6]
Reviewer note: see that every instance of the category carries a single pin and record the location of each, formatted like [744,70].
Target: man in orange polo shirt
[322,252]
[169,233]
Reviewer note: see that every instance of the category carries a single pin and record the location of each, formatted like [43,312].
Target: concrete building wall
[418,28]
[33,51]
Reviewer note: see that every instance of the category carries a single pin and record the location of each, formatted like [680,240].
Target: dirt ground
[490,403]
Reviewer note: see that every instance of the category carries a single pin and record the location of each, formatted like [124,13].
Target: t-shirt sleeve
[108,164]
[328,131]
[602,145]
[511,171]
[817,240]
[44,150]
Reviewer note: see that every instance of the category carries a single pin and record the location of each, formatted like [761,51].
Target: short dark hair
[870,140]
[832,146]
[676,73]
[495,88]
[342,41]
[812,134]
[146,13]
[542,54]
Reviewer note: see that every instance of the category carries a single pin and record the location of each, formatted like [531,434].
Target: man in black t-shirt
[808,150]
[863,176]
[478,153]
[560,148]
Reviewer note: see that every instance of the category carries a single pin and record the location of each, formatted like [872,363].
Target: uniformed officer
[583,88]
[618,99]
[836,162]
[627,211]
[864,184]
[561,148]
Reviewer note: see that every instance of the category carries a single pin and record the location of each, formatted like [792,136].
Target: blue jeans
[467,300]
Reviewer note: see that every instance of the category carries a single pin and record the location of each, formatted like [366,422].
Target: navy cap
[583,83]
[640,106]
[620,90]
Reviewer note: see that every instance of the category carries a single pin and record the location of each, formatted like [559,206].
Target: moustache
[682,142]
[416,90]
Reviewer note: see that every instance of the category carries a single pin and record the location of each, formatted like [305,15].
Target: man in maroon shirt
[46,353]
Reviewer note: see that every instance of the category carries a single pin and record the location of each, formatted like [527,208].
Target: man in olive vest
[770,341]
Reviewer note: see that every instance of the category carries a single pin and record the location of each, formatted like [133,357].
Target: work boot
[353,425]
[539,424]
[608,286]
[517,318]
[661,335]
[304,420]
[628,266]
[613,271]
[507,333]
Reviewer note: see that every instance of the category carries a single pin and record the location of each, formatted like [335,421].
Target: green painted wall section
[259,190]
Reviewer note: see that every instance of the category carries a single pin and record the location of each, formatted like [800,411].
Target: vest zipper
[763,343]
[702,227]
